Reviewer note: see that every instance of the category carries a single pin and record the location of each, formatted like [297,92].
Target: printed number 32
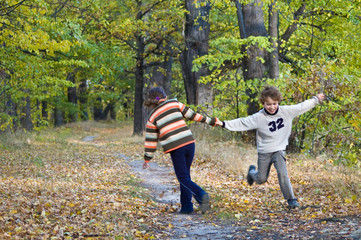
[274,125]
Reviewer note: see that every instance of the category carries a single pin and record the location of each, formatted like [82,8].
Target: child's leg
[182,160]
[264,165]
[280,164]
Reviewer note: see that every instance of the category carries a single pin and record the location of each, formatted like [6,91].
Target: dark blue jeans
[182,160]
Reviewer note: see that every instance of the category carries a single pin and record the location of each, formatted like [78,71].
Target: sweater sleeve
[300,108]
[191,115]
[151,141]
[242,124]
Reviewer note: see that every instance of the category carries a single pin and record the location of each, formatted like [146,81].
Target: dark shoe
[292,203]
[185,212]
[249,177]
[205,206]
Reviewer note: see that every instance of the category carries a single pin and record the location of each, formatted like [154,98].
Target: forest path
[164,189]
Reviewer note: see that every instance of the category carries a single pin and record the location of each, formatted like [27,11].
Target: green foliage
[43,42]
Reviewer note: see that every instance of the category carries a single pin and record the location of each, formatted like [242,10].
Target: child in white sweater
[273,125]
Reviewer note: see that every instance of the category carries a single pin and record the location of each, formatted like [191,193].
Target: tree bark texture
[197,28]
[139,84]
[251,23]
[273,32]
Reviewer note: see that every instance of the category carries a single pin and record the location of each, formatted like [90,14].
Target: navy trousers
[182,160]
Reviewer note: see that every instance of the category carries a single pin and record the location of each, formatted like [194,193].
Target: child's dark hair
[270,92]
[154,95]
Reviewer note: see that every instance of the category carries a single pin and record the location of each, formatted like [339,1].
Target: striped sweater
[166,124]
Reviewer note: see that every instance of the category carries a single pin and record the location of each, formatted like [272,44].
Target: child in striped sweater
[166,125]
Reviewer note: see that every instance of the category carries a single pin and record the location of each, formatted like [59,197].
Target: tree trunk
[161,75]
[273,32]
[139,84]
[72,98]
[58,114]
[83,100]
[251,23]
[98,109]
[44,110]
[109,109]
[25,120]
[197,28]
[167,79]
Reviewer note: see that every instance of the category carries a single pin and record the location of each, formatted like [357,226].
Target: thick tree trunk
[139,84]
[197,30]
[251,23]
[273,32]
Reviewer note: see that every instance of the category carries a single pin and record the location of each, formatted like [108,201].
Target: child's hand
[145,165]
[321,97]
[219,122]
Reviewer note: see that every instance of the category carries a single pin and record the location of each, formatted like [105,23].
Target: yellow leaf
[138,233]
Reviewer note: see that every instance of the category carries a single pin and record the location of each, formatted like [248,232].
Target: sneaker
[293,203]
[205,206]
[249,177]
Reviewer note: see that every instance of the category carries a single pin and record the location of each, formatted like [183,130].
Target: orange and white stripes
[166,125]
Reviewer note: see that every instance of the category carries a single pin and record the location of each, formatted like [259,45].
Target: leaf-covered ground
[76,182]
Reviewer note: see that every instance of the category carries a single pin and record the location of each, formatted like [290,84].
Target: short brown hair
[270,92]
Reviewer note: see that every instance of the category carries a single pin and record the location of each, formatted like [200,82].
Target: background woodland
[65,61]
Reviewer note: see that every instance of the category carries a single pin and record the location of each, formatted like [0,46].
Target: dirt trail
[160,181]
[164,189]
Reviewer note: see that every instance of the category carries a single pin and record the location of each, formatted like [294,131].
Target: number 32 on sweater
[274,125]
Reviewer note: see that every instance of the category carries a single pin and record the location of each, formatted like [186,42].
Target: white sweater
[274,130]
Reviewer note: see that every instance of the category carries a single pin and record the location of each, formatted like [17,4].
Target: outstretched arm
[240,124]
[191,115]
